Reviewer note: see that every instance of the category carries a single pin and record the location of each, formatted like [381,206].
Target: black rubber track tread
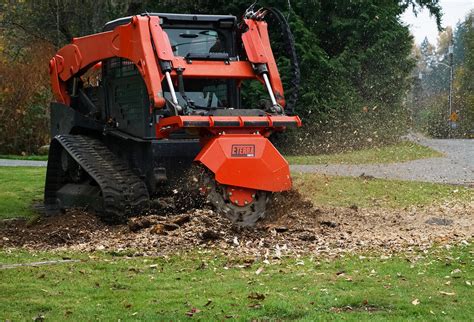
[123,192]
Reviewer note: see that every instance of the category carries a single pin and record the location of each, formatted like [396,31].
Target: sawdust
[293,226]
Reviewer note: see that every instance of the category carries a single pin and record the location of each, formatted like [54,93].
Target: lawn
[363,192]
[206,285]
[19,188]
[24,157]
[400,152]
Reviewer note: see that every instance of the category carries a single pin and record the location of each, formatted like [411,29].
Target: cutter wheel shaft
[82,171]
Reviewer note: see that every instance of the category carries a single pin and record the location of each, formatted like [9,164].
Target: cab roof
[174,18]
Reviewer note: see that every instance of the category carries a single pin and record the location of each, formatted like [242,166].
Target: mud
[293,226]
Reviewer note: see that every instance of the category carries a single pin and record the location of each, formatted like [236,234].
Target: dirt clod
[210,235]
[330,224]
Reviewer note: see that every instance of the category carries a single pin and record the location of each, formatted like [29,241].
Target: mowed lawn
[20,187]
[435,286]
[33,157]
[208,285]
[400,152]
[370,192]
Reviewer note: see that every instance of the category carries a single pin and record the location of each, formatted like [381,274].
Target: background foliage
[430,102]
[354,57]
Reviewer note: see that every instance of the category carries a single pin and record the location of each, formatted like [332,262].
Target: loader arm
[144,42]
[133,41]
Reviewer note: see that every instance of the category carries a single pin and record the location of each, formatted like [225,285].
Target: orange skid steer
[155,95]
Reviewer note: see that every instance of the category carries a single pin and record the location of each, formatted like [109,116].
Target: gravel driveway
[456,167]
[22,163]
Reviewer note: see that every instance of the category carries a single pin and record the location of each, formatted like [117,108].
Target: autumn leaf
[193,311]
[447,293]
[256,296]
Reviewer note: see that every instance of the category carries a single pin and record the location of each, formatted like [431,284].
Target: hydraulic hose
[289,47]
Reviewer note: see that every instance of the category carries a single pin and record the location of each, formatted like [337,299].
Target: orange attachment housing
[246,160]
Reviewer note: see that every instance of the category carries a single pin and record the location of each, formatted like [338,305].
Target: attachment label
[243,150]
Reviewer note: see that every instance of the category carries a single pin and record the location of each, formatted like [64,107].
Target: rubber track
[123,192]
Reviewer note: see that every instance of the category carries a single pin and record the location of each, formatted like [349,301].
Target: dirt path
[456,167]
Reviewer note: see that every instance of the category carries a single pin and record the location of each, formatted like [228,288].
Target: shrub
[24,100]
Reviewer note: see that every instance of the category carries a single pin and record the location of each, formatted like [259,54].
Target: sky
[425,26]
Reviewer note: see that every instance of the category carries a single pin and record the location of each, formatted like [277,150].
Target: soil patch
[293,226]
[65,229]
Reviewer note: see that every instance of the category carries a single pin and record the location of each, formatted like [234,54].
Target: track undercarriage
[84,173]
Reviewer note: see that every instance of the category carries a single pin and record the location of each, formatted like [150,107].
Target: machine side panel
[64,119]
[129,106]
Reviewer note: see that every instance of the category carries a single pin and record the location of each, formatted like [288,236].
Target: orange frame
[144,42]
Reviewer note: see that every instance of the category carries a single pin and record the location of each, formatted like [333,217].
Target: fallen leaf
[158,229]
[415,302]
[193,311]
[236,241]
[447,293]
[456,271]
[256,296]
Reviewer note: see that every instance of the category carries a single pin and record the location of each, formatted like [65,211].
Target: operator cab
[199,37]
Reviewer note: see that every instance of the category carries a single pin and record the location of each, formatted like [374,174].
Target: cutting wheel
[241,205]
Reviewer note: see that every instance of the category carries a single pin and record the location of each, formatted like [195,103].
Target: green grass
[19,188]
[348,191]
[111,288]
[24,157]
[401,152]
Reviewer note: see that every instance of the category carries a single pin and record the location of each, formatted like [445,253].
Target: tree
[354,55]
